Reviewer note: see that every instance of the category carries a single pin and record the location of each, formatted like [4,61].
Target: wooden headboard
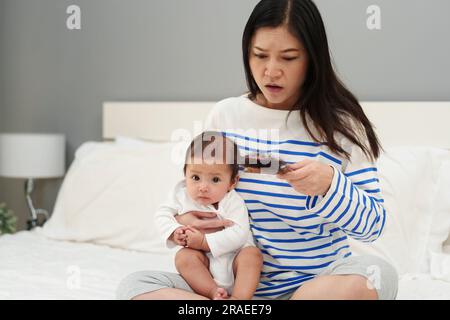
[397,123]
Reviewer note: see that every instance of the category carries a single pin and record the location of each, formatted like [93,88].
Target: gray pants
[380,274]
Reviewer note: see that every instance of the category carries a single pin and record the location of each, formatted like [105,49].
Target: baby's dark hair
[222,150]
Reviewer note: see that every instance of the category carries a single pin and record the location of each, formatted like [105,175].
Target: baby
[207,261]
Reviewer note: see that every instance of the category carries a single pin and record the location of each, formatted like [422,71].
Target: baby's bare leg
[193,265]
[247,267]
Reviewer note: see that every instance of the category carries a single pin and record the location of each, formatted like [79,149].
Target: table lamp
[32,156]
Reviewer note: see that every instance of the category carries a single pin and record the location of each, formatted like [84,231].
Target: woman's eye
[260,56]
[263,56]
[216,179]
[195,177]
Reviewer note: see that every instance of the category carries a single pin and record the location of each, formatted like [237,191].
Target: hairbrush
[264,164]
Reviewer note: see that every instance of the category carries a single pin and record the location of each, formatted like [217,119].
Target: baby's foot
[220,294]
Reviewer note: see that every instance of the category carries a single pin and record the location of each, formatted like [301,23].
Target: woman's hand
[309,177]
[205,222]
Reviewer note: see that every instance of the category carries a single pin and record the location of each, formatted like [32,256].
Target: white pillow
[440,229]
[415,224]
[111,192]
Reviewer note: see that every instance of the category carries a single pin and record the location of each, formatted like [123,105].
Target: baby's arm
[232,238]
[165,218]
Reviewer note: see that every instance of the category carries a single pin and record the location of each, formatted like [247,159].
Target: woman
[300,219]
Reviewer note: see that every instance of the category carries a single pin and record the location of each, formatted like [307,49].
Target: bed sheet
[35,267]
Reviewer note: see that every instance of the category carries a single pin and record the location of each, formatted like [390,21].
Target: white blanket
[34,267]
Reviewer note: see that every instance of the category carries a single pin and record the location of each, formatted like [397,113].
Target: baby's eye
[216,179]
[195,177]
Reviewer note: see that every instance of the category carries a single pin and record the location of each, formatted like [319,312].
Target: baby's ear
[234,182]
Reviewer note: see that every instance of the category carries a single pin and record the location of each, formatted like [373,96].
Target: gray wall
[54,80]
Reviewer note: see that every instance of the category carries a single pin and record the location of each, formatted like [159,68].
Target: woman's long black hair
[330,105]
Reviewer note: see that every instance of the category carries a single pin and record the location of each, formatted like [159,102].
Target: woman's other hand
[309,177]
[205,222]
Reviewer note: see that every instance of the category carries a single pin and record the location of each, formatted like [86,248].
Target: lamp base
[32,224]
[34,221]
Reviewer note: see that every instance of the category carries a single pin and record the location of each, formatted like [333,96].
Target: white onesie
[224,244]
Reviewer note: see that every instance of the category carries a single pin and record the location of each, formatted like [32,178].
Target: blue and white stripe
[300,235]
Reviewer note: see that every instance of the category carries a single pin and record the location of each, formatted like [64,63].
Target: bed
[101,227]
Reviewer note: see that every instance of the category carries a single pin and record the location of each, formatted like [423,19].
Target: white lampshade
[32,155]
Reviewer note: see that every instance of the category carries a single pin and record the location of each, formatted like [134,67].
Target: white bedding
[34,267]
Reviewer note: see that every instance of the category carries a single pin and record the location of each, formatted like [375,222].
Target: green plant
[7,220]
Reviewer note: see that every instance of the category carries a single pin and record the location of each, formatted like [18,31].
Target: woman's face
[278,62]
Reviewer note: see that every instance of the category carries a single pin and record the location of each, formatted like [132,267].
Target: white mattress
[34,267]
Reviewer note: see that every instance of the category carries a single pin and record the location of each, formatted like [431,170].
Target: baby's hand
[179,236]
[195,239]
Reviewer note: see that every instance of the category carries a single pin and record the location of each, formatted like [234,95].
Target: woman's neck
[262,101]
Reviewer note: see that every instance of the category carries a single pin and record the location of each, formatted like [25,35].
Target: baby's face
[208,183]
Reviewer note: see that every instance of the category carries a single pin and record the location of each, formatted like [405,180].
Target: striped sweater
[299,235]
